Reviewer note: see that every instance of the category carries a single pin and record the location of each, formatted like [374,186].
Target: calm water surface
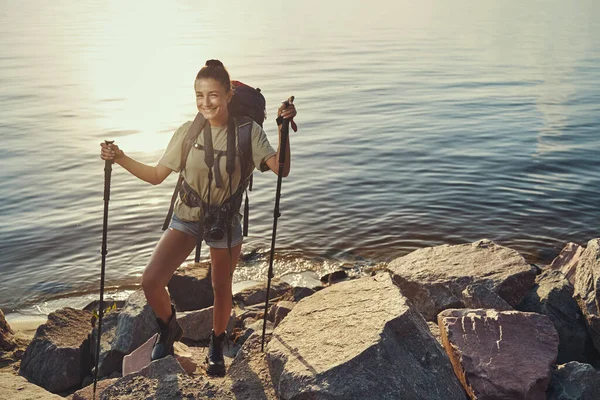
[442,122]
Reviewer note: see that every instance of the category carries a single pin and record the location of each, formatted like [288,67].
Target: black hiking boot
[215,361]
[167,335]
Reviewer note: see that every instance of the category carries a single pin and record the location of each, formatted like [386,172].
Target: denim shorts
[191,228]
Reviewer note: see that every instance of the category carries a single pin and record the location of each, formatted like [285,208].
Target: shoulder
[183,128]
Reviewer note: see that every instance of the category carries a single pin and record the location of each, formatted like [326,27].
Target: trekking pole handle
[109,142]
[289,101]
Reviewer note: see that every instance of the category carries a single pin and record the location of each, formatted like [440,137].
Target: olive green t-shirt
[196,170]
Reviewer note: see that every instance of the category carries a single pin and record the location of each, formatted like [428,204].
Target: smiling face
[212,100]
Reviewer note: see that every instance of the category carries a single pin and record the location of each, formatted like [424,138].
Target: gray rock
[125,331]
[197,325]
[500,354]
[479,296]
[552,295]
[7,339]
[279,310]
[359,340]
[433,278]
[566,262]
[110,360]
[191,288]
[256,326]
[13,387]
[258,293]
[587,288]
[57,358]
[136,324]
[574,381]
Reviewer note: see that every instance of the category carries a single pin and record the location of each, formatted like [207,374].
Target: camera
[215,223]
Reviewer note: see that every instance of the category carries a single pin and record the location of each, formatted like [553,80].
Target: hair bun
[214,63]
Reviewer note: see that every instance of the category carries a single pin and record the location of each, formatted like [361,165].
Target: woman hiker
[213,95]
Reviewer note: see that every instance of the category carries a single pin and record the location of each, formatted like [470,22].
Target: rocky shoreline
[447,322]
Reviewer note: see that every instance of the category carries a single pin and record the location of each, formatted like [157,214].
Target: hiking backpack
[247,105]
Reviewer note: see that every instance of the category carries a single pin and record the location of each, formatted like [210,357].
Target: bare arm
[148,173]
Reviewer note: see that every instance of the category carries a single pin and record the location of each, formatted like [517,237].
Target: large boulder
[191,288]
[7,339]
[14,387]
[359,340]
[124,332]
[566,262]
[58,356]
[587,288]
[500,354]
[433,278]
[552,295]
[574,381]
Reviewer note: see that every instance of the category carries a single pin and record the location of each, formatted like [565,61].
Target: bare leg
[222,273]
[172,249]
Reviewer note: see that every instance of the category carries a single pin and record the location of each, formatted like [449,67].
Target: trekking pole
[285,128]
[107,173]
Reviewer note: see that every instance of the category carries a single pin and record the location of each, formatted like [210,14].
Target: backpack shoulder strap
[191,136]
[244,128]
[188,141]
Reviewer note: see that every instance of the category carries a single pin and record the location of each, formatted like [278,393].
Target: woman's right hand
[110,152]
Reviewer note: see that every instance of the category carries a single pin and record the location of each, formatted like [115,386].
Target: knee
[221,289]
[148,283]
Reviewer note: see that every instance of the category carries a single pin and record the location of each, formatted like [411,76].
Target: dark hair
[216,70]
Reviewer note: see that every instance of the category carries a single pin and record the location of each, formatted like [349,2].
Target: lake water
[421,123]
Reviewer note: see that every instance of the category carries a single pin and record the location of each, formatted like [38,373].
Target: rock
[125,331]
[359,340]
[258,293]
[334,277]
[552,295]
[13,387]
[256,326]
[248,374]
[191,288]
[57,358]
[197,325]
[566,261]
[184,357]
[574,381]
[297,293]
[587,287]
[87,393]
[7,339]
[479,296]
[433,278]
[279,310]
[500,354]
[110,359]
[435,331]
